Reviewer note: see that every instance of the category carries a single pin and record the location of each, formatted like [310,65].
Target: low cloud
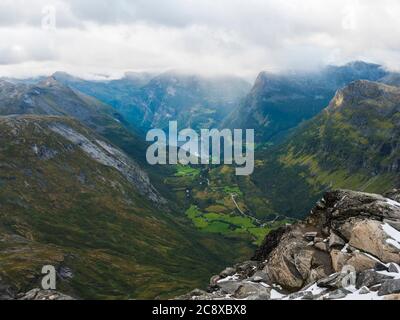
[225,36]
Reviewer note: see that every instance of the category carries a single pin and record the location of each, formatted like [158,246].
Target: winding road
[240,210]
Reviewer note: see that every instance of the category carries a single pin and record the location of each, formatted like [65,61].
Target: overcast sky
[213,36]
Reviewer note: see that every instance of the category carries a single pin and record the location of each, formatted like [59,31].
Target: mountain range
[76,190]
[352,144]
[150,101]
[278,103]
[73,199]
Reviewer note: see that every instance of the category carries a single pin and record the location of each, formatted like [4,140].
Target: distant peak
[63,76]
[360,90]
[49,82]
[60,74]
[359,64]
[365,88]
[52,82]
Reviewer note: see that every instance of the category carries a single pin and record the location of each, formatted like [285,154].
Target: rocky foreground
[34,294]
[348,248]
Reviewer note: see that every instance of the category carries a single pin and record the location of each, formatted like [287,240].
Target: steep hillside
[71,199]
[279,102]
[122,94]
[51,97]
[354,143]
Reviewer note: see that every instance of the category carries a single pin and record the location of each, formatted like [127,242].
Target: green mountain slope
[50,97]
[71,199]
[278,103]
[354,143]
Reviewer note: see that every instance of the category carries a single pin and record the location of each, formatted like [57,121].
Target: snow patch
[372,257]
[344,250]
[357,296]
[393,203]
[235,277]
[315,290]
[393,243]
[393,234]
[276,295]
[394,275]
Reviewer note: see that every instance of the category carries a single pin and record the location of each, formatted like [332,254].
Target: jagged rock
[261,296]
[394,268]
[370,278]
[198,293]
[335,241]
[321,246]
[393,223]
[214,280]
[304,295]
[316,274]
[229,287]
[360,262]
[345,204]
[389,287]
[339,259]
[337,294]
[252,289]
[369,236]
[260,276]
[227,272]
[299,262]
[334,281]
[281,265]
[38,294]
[247,269]
[310,236]
[303,261]
[270,242]
[380,267]
[364,290]
[393,194]
[392,297]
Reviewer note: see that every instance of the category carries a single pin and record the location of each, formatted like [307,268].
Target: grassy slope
[71,211]
[206,194]
[353,144]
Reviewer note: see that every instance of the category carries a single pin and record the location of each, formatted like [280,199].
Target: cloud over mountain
[227,36]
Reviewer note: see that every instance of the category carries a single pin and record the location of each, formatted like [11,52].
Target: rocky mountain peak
[50,82]
[358,91]
[362,66]
[61,76]
[347,234]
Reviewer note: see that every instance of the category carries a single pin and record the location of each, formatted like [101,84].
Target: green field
[231,225]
